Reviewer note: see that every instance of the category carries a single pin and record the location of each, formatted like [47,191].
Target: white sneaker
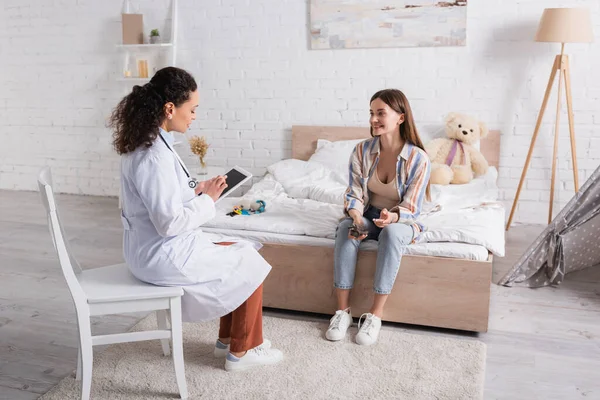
[255,357]
[221,349]
[368,332]
[338,325]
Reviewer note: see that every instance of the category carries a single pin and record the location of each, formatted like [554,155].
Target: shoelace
[336,322]
[366,327]
[260,351]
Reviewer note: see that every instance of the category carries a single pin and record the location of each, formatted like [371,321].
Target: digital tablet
[235,178]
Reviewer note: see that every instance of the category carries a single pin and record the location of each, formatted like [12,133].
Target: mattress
[304,205]
[435,249]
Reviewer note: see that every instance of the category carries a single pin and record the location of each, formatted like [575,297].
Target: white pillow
[335,156]
[338,144]
[304,180]
[483,189]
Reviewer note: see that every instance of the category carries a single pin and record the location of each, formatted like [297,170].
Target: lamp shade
[565,25]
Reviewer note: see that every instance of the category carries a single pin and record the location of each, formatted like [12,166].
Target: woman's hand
[215,186]
[201,186]
[355,215]
[358,222]
[385,218]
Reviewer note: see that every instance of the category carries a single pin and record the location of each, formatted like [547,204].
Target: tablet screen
[233,178]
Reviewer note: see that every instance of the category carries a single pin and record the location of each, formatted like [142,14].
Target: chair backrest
[70,266]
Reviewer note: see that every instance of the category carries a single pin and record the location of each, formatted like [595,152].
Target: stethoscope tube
[192,182]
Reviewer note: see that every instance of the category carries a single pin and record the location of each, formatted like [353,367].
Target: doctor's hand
[201,186]
[385,218]
[215,187]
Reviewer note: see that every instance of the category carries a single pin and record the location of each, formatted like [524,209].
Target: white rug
[399,366]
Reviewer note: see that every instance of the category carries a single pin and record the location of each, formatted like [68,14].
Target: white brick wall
[257,77]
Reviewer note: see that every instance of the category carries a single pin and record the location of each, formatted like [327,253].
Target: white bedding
[440,249]
[306,199]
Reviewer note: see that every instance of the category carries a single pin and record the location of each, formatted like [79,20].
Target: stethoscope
[192,182]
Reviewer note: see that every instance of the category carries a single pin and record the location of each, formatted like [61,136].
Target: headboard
[304,140]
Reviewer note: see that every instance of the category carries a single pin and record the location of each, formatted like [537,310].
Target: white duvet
[304,198]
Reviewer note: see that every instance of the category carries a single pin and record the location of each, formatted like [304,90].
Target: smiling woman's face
[180,118]
[383,119]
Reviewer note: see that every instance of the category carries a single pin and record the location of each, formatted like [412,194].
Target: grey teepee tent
[570,242]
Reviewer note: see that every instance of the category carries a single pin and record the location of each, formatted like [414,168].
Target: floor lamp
[558,25]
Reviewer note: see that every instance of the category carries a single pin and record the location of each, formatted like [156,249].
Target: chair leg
[87,357]
[161,317]
[177,338]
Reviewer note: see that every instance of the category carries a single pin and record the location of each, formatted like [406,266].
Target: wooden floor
[541,344]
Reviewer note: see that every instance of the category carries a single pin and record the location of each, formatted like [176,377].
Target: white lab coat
[164,245]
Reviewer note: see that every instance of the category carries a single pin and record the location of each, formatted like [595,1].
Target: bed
[444,279]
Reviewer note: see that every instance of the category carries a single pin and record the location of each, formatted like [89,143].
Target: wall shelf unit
[130,52]
[133,80]
[144,46]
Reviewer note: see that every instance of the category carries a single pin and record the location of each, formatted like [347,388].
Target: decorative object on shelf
[133,28]
[199,147]
[558,25]
[159,51]
[142,68]
[344,24]
[127,73]
[154,36]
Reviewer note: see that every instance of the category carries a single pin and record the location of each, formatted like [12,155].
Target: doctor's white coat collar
[167,136]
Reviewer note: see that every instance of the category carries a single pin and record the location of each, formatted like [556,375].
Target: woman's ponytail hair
[137,118]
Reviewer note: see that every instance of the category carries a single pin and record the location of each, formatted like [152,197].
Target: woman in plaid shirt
[388,179]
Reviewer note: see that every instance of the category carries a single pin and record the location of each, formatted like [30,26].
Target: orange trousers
[244,324]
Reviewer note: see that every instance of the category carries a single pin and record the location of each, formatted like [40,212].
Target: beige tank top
[383,195]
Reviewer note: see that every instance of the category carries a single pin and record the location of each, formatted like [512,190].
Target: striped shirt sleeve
[419,170]
[353,197]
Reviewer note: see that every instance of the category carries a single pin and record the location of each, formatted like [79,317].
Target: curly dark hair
[137,117]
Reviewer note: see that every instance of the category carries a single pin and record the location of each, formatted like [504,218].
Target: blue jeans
[392,240]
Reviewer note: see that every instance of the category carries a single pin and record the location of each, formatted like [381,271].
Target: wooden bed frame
[432,291]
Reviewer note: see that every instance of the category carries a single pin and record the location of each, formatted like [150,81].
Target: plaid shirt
[413,167]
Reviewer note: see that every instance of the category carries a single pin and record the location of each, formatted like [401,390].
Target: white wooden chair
[112,290]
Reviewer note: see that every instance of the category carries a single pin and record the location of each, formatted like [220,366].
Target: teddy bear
[455,159]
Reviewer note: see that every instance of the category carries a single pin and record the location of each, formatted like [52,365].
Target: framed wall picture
[345,24]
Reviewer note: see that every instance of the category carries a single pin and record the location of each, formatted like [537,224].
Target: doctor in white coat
[163,211]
